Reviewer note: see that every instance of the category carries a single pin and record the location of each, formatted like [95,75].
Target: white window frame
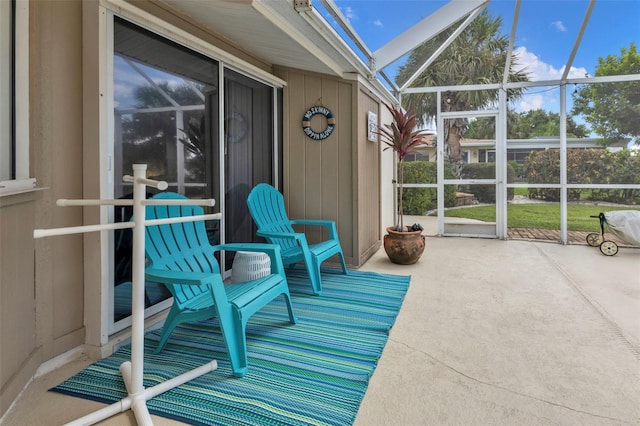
[20,103]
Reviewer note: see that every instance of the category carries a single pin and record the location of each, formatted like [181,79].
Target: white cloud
[559,26]
[377,23]
[534,101]
[538,70]
[349,13]
[121,91]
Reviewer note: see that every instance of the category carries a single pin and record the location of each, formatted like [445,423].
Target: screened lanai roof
[315,35]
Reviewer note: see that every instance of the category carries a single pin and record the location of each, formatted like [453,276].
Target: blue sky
[547,30]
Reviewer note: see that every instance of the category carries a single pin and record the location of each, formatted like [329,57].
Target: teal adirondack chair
[181,257]
[266,205]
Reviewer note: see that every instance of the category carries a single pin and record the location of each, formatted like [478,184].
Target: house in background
[484,150]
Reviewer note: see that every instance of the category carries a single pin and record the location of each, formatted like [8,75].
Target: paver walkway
[573,237]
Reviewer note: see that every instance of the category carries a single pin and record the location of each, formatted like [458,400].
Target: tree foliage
[612,109]
[477,56]
[526,125]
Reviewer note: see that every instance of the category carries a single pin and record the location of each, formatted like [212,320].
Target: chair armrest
[329,224]
[178,277]
[290,235]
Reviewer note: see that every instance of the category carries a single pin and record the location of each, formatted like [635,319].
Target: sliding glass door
[206,139]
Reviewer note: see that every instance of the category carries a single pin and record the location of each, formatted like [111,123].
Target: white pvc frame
[132,371]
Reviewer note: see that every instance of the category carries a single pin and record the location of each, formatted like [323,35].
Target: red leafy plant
[402,137]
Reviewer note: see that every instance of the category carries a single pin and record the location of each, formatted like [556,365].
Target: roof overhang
[274,32]
[282,33]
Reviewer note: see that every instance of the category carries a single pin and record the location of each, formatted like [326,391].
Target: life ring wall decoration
[306,123]
[236,127]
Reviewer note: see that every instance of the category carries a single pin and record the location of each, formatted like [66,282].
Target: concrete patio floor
[511,333]
[491,332]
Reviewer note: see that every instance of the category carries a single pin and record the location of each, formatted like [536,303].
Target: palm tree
[477,56]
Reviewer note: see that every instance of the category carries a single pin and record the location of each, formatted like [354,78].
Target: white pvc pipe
[101,414]
[65,203]
[150,393]
[180,202]
[140,410]
[132,371]
[160,184]
[39,233]
[181,379]
[137,280]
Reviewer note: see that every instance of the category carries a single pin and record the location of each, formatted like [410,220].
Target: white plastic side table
[249,265]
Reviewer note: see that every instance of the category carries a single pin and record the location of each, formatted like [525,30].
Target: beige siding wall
[56,138]
[318,179]
[42,280]
[368,172]
[336,178]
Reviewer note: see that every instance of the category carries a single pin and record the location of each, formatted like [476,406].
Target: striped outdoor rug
[312,373]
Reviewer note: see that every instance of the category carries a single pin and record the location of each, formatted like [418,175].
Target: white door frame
[489,230]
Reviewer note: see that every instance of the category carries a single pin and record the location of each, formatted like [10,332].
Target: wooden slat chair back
[181,257]
[266,205]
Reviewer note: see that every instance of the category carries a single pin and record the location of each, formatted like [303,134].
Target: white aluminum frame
[20,73]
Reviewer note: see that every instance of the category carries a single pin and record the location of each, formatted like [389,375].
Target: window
[487,156]
[14,95]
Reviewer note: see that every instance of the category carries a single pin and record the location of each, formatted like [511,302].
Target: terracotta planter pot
[403,248]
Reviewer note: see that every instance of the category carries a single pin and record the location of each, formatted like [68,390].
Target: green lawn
[540,216]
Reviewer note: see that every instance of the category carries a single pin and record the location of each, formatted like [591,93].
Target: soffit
[270,30]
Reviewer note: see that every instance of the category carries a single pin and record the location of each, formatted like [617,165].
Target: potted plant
[403,245]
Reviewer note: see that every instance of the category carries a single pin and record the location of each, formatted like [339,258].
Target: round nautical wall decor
[236,126]
[306,123]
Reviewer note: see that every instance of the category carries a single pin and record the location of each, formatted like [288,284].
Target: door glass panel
[165,116]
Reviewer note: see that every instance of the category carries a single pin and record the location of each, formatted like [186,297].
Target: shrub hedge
[585,166]
[417,201]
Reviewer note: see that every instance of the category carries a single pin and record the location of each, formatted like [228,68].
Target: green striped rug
[312,373]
